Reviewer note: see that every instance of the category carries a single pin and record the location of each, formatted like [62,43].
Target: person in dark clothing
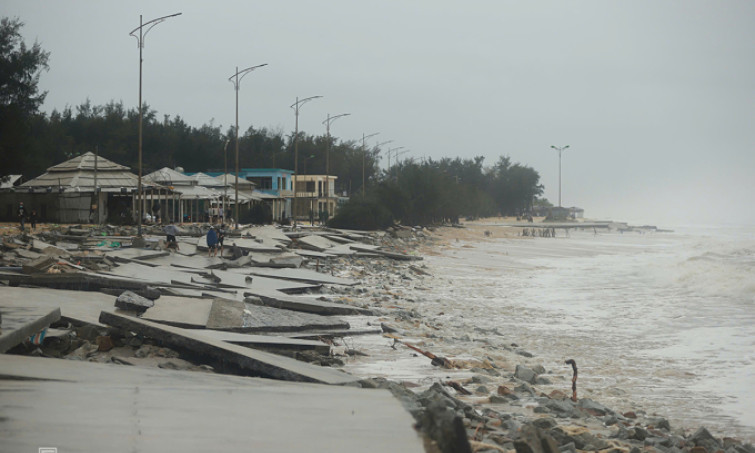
[221,237]
[33,219]
[21,214]
[171,231]
[212,242]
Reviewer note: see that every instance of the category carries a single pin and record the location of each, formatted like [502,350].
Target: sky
[655,98]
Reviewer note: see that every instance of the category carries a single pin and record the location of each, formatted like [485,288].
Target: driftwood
[573,379]
[435,360]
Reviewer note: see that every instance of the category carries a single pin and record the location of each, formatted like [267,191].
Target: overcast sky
[655,98]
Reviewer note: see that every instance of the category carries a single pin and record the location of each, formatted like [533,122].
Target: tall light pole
[327,122]
[296,105]
[390,150]
[236,80]
[559,149]
[225,179]
[364,152]
[140,43]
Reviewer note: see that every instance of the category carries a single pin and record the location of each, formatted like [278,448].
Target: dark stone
[563,408]
[442,425]
[525,374]
[660,423]
[545,423]
[535,440]
[703,438]
[593,408]
[568,448]
[129,300]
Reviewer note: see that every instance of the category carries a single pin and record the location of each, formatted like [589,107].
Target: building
[315,194]
[272,185]
[84,189]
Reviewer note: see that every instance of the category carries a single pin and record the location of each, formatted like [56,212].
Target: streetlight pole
[390,150]
[296,105]
[225,179]
[236,80]
[327,122]
[559,149]
[140,43]
[364,152]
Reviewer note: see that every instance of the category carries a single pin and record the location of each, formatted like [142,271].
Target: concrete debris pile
[267,306]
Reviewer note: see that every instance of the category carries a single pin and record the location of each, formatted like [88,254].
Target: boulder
[442,425]
[129,300]
[525,374]
[535,440]
[703,438]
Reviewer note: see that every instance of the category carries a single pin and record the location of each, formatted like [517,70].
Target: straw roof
[168,176]
[78,174]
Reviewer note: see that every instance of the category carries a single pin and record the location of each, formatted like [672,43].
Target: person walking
[221,237]
[21,215]
[171,231]
[212,242]
[33,219]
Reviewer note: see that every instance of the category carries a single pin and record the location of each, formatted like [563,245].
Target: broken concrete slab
[268,319]
[129,300]
[313,254]
[304,275]
[121,408]
[185,312]
[38,265]
[20,322]
[77,307]
[226,314]
[316,243]
[257,363]
[392,255]
[28,254]
[277,299]
[265,341]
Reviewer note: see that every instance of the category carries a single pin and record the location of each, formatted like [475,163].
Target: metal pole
[96,194]
[225,179]
[559,149]
[364,151]
[296,106]
[139,191]
[236,175]
[327,122]
[236,80]
[140,43]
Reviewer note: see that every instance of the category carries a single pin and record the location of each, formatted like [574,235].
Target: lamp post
[559,149]
[364,152]
[225,179]
[140,42]
[389,155]
[296,105]
[236,80]
[327,122]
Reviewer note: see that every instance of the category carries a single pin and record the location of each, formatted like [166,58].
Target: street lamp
[140,43]
[559,149]
[296,105]
[364,152]
[236,80]
[327,122]
[389,155]
[225,179]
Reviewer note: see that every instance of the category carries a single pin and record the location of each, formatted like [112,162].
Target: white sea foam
[664,322]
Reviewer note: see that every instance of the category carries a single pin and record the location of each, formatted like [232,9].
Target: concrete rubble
[256,337]
[263,311]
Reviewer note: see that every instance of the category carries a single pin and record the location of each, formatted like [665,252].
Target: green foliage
[20,68]
[362,214]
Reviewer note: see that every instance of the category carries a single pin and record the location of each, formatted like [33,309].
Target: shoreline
[420,330]
[491,396]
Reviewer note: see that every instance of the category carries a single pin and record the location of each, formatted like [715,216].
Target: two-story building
[315,194]
[273,185]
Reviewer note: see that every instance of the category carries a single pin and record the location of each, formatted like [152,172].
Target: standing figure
[21,214]
[221,237]
[171,231]
[33,219]
[212,242]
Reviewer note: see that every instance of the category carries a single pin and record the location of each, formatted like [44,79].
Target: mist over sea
[660,322]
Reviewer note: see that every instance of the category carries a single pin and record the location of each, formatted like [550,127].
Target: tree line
[410,192]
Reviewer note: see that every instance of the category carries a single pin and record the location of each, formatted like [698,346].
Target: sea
[660,322]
